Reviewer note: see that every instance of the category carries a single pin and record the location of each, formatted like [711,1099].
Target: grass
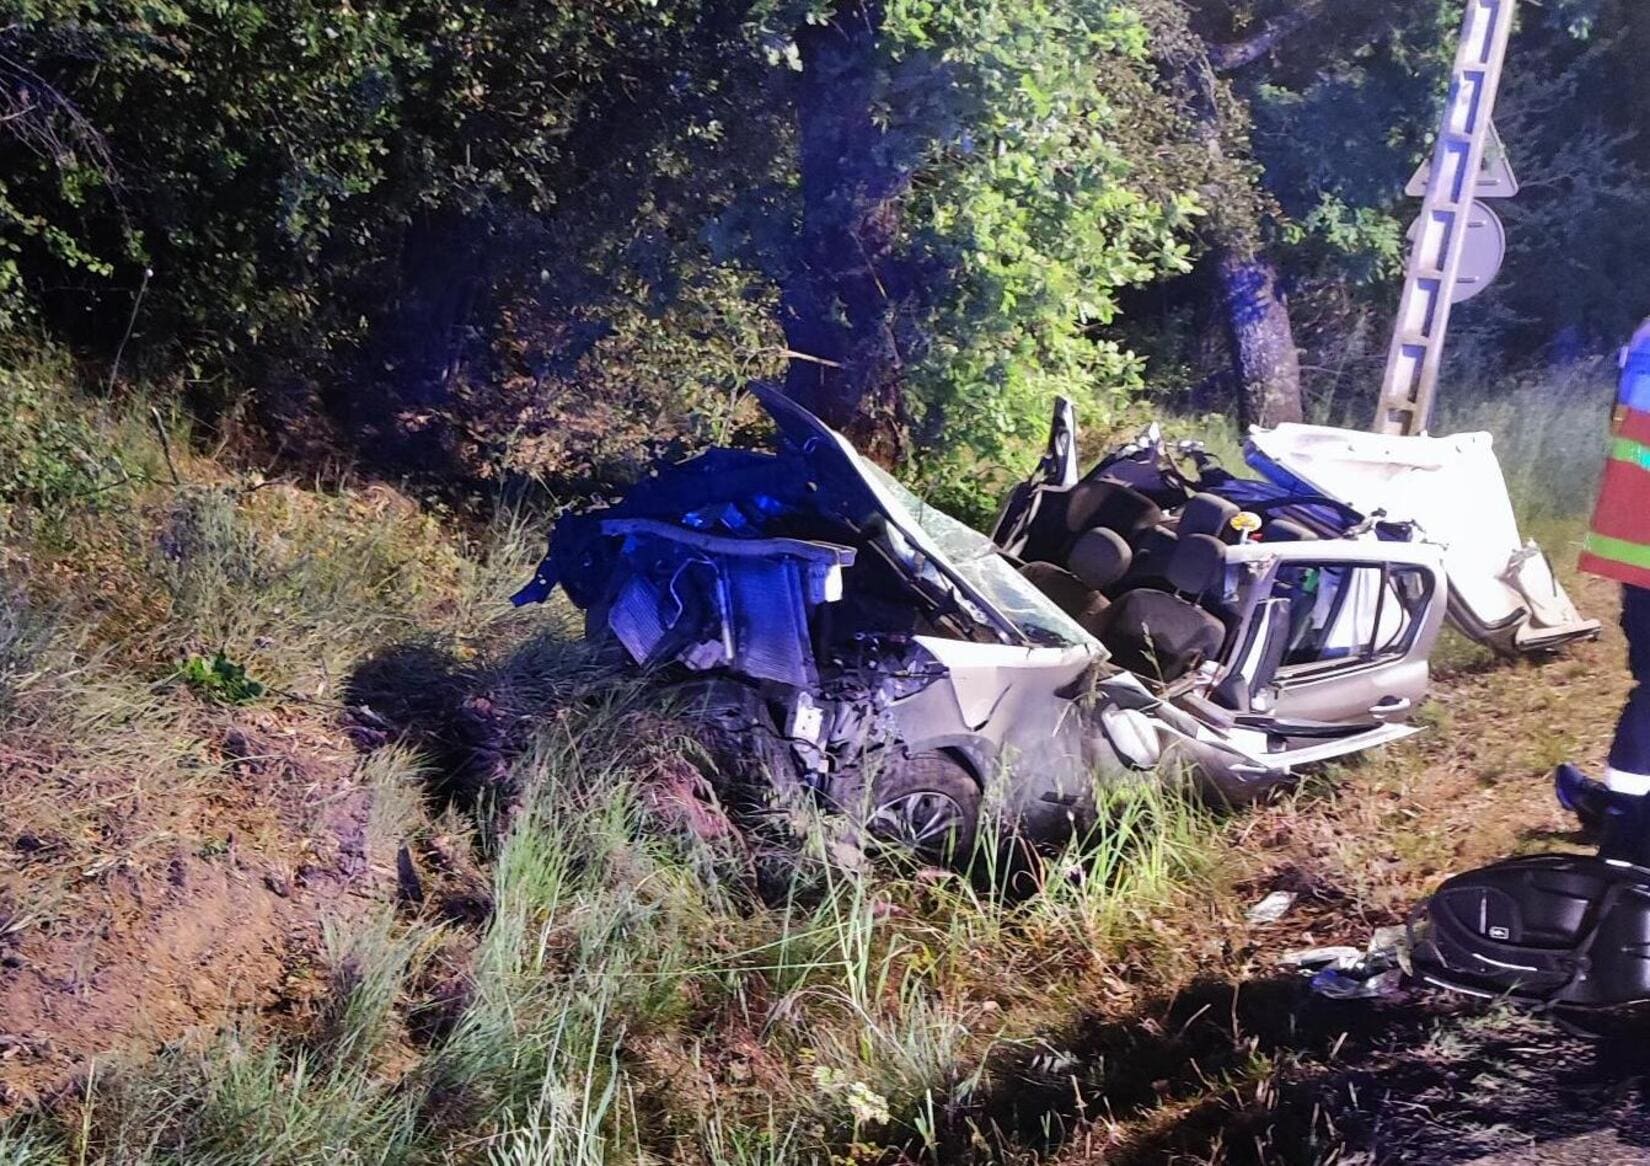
[523,931]
[601,1001]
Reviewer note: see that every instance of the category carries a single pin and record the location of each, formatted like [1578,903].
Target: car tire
[927,806]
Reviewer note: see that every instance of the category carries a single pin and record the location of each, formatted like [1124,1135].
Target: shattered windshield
[980,563]
[957,560]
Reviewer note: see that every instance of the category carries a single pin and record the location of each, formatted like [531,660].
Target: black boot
[1587,799]
[1624,830]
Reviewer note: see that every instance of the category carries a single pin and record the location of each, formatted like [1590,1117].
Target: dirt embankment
[163,920]
[137,921]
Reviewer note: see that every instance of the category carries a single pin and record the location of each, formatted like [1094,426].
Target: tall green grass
[1550,430]
[611,962]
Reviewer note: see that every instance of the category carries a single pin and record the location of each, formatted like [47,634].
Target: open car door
[1502,591]
[1332,657]
[1056,470]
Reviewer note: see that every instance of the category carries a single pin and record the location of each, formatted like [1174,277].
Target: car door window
[1349,614]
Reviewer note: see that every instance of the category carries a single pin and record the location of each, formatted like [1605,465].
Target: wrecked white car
[897,665]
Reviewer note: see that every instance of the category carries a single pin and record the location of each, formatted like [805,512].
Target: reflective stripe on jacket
[1618,546]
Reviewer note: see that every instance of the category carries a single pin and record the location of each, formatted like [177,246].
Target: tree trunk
[1256,314]
[847,280]
[1261,339]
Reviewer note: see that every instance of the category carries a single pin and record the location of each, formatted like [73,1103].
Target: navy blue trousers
[1631,752]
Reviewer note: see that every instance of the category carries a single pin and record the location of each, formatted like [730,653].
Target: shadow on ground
[1267,1072]
[1260,1071]
[468,718]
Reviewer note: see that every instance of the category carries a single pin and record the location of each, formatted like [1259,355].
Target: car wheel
[928,806]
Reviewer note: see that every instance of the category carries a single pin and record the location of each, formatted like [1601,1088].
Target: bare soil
[171,918]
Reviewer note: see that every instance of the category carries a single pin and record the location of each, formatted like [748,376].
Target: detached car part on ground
[1563,931]
[856,645]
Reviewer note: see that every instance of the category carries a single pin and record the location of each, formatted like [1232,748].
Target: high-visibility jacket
[1618,546]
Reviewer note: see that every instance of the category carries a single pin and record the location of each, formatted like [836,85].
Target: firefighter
[1618,548]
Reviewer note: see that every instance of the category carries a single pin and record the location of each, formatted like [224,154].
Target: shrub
[220,679]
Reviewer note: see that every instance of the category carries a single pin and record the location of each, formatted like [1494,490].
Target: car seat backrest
[1153,551]
[1208,514]
[1112,507]
[1159,636]
[1197,565]
[1069,593]
[1100,558]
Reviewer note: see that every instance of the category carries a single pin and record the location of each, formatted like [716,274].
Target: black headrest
[1208,514]
[1197,565]
[1069,593]
[1112,506]
[1286,530]
[1100,558]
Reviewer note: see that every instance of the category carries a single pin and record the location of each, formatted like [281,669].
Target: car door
[1352,624]
[1502,589]
[1056,471]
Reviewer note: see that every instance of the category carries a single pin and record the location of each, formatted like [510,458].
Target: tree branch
[1225,58]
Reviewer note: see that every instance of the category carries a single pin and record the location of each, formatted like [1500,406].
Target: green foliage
[264,158]
[1045,177]
[220,679]
[613,188]
[1040,200]
[1574,283]
[54,460]
[553,240]
[1341,119]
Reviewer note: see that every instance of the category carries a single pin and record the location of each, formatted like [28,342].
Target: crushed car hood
[968,564]
[721,512]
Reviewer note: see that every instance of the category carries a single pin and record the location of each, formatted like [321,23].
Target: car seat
[1064,515]
[1110,506]
[1153,552]
[1069,593]
[1209,514]
[1163,635]
[1155,546]
[1099,558]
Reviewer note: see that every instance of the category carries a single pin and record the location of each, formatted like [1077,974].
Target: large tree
[1344,102]
[976,182]
[849,278]
[1317,109]
[1252,303]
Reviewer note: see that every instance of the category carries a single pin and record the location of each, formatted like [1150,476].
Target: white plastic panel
[1453,489]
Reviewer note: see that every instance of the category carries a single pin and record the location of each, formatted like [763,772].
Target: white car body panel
[983,673]
[1453,490]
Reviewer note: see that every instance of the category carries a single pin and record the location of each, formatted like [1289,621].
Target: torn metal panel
[1452,490]
[712,601]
